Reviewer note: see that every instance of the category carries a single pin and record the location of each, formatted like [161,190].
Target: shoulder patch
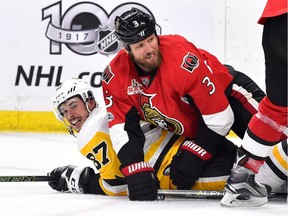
[107,74]
[190,62]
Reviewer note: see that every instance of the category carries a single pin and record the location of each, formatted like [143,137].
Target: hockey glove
[70,178]
[187,165]
[141,181]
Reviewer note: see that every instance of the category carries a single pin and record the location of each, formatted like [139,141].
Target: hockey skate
[241,189]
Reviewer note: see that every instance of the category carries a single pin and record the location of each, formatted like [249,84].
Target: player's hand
[70,178]
[187,165]
[141,181]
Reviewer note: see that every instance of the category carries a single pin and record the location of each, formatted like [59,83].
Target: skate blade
[238,200]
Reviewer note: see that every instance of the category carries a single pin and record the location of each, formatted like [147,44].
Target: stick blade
[26,178]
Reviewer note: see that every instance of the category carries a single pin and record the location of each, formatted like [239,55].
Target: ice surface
[37,154]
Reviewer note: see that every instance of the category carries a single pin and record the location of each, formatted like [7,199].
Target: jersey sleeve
[273,8]
[123,118]
[204,80]
[94,143]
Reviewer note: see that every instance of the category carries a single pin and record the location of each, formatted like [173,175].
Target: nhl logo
[106,41]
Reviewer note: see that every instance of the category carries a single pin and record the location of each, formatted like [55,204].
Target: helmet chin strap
[87,108]
[70,130]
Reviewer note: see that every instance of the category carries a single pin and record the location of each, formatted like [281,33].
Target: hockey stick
[26,178]
[206,194]
[200,194]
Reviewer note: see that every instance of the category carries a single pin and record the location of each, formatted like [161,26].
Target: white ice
[37,154]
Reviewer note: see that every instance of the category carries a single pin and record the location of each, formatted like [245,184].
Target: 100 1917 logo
[85,28]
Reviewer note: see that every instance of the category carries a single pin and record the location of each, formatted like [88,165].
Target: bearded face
[146,53]
[148,63]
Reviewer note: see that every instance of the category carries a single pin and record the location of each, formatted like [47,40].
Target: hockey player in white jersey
[75,105]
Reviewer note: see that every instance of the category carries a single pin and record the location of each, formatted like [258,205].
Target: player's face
[74,112]
[146,53]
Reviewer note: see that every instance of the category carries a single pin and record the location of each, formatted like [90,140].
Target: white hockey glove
[70,178]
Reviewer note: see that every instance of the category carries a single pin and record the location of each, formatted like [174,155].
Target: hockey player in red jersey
[169,82]
[269,125]
[75,105]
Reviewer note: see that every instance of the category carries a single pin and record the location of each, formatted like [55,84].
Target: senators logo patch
[155,117]
[190,62]
[107,74]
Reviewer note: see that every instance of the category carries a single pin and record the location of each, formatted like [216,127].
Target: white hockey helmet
[69,89]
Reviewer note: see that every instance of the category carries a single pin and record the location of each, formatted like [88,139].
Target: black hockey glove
[141,181]
[71,178]
[187,165]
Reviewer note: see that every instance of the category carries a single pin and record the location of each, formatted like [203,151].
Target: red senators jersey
[273,8]
[188,85]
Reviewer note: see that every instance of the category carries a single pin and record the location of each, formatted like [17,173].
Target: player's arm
[203,91]
[208,94]
[84,180]
[128,142]
[124,128]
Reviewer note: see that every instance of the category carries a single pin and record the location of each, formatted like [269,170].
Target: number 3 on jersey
[209,84]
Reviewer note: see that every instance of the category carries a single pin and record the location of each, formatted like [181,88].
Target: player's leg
[275,169]
[244,100]
[267,127]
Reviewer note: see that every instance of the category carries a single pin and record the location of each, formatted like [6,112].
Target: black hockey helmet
[134,26]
